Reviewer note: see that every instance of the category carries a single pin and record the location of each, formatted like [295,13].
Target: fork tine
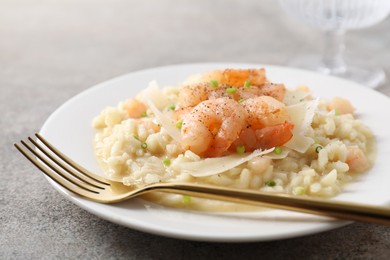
[56,177]
[66,167]
[72,163]
[55,169]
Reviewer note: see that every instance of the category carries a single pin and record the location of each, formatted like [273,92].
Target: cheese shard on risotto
[302,116]
[211,166]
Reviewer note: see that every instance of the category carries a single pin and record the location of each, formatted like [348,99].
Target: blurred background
[77,41]
[50,50]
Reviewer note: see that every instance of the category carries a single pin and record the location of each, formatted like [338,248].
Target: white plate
[69,128]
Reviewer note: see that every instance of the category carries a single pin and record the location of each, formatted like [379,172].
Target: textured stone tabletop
[52,50]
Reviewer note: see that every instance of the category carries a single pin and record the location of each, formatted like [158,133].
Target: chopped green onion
[231,90]
[336,112]
[247,84]
[136,137]
[214,83]
[299,191]
[241,100]
[278,150]
[144,145]
[172,107]
[179,124]
[144,114]
[187,199]
[318,148]
[167,162]
[240,149]
[270,183]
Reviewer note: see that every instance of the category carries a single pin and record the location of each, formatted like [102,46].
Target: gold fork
[75,178]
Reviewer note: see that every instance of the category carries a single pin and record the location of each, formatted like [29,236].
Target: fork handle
[329,208]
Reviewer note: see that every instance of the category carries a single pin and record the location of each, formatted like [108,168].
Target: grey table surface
[52,50]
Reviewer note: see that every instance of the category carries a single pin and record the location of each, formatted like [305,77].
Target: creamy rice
[130,151]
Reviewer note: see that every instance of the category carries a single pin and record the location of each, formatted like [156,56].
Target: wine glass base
[366,74]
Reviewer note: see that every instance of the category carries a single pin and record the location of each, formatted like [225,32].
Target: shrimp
[265,111]
[276,91]
[212,126]
[135,108]
[181,112]
[264,138]
[192,95]
[341,106]
[357,160]
[237,77]
[151,126]
[233,79]
[268,124]
[259,85]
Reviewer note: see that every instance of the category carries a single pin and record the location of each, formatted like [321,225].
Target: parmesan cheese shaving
[211,166]
[301,115]
[296,96]
[164,121]
[154,93]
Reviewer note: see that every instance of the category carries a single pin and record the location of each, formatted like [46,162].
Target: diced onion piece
[211,166]
[301,115]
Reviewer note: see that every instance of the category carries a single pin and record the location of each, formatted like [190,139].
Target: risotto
[233,128]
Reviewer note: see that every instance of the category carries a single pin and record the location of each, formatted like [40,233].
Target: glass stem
[333,53]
